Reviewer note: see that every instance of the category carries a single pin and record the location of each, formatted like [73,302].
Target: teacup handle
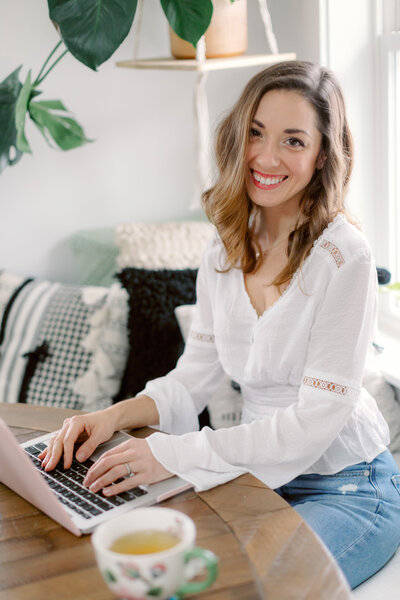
[211,564]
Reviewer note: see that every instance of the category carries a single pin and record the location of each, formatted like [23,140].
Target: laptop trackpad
[117,438]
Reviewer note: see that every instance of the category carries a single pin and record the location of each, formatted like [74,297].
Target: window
[389,183]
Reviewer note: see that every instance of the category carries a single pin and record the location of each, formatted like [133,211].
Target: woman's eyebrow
[291,130]
[297,131]
[258,123]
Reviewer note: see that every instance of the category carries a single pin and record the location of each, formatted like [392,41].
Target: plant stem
[47,60]
[39,79]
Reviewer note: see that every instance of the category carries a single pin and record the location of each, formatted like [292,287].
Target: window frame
[388,184]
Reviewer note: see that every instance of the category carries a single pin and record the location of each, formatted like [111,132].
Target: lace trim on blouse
[334,251]
[202,337]
[329,386]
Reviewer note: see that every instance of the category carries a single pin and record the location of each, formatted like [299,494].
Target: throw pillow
[155,339]
[10,286]
[63,345]
[95,254]
[385,397]
[162,246]
[225,407]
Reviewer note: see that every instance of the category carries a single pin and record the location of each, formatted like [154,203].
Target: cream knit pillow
[174,245]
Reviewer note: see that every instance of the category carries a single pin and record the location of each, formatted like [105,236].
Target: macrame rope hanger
[201,113]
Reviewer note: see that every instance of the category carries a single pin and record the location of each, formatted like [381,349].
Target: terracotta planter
[226,35]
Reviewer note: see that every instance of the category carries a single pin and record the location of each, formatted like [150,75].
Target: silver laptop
[60,493]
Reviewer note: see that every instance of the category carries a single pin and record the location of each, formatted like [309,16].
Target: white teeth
[267,180]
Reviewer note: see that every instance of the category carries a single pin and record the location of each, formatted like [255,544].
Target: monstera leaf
[92,29]
[52,123]
[49,117]
[9,92]
[188,18]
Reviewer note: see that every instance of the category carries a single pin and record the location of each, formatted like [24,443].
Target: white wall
[141,165]
[348,36]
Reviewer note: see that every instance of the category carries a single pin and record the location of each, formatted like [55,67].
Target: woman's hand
[111,468]
[93,429]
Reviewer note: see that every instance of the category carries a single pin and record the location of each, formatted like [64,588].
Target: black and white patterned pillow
[62,345]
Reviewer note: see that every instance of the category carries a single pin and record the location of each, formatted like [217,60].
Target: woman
[286,298]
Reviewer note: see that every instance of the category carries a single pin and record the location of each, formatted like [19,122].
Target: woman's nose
[268,156]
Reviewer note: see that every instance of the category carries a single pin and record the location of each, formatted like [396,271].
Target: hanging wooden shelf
[211,64]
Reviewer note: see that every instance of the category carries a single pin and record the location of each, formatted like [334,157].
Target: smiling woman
[286,299]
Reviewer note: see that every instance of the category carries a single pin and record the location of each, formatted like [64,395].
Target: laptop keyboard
[67,486]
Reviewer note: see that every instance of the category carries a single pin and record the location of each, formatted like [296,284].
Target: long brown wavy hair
[227,203]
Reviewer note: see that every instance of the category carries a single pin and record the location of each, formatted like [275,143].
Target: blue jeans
[355,512]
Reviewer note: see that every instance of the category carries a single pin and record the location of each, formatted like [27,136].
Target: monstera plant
[91,30]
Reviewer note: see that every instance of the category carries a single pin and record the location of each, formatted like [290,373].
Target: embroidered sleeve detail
[334,251]
[329,386]
[202,337]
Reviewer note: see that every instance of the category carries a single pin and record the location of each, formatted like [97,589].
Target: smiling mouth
[267,182]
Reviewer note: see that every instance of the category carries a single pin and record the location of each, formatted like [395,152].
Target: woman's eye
[254,132]
[295,142]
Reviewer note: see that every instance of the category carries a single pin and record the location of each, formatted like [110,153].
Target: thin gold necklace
[280,240]
[278,243]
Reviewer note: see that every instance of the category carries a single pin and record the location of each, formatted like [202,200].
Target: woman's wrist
[134,412]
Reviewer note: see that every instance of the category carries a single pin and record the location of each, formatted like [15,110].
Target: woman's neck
[275,225]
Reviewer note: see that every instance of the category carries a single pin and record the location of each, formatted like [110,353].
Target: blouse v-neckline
[292,281]
[249,302]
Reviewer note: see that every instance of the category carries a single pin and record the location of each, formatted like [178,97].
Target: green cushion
[95,254]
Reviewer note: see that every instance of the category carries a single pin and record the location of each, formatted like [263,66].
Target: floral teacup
[155,575]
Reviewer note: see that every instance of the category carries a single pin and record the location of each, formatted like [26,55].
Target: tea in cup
[149,553]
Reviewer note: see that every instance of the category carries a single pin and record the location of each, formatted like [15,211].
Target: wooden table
[265,550]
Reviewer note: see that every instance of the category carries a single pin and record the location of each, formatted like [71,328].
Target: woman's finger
[55,447]
[50,451]
[122,486]
[105,464]
[107,478]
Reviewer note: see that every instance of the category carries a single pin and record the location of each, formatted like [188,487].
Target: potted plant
[91,31]
[226,35]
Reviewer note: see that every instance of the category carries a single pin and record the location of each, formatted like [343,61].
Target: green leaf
[393,286]
[21,108]
[188,18]
[9,92]
[54,104]
[155,591]
[93,29]
[109,576]
[65,131]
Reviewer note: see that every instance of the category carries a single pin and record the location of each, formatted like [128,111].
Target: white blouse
[300,368]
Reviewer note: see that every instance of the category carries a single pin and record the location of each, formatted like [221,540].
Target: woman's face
[283,151]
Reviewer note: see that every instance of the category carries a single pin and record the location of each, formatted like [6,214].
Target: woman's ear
[321,158]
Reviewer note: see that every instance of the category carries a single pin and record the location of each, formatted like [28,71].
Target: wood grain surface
[265,550]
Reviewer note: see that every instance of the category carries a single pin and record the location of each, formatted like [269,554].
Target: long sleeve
[182,394]
[278,447]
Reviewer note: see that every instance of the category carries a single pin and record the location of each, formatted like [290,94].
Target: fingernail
[81,455]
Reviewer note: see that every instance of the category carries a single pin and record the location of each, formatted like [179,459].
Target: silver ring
[127,467]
